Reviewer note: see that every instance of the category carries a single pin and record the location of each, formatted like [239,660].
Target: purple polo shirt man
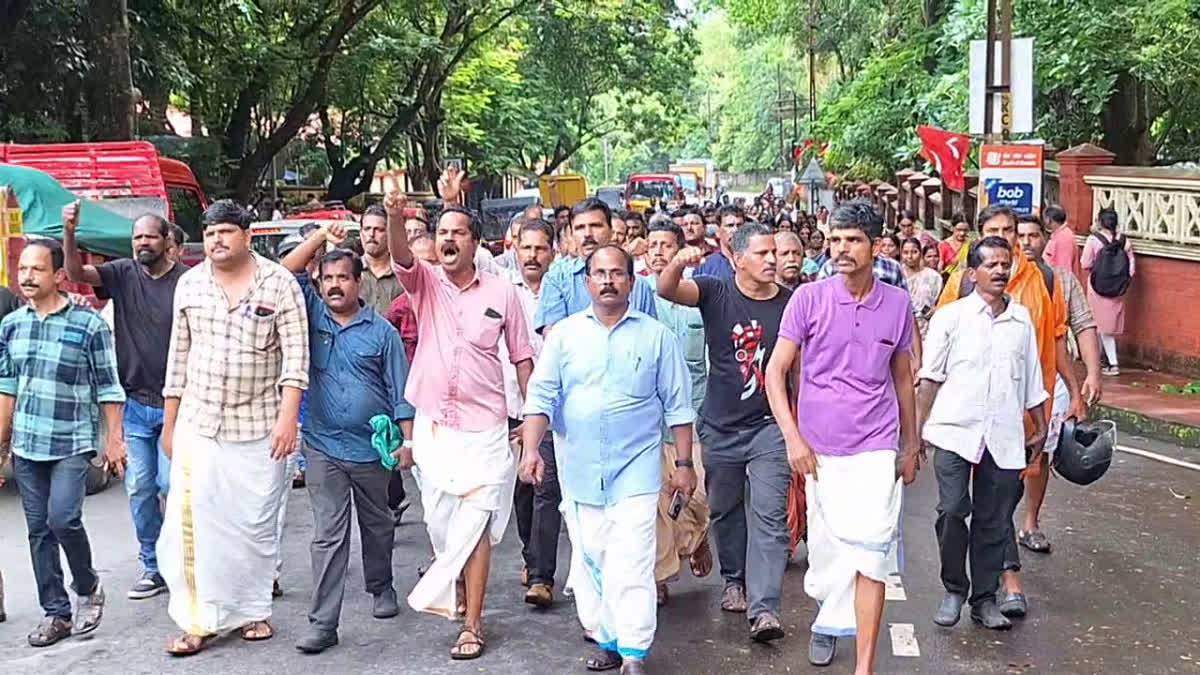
[853,434]
[845,376]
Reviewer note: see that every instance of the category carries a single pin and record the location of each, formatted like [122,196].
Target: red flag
[948,152]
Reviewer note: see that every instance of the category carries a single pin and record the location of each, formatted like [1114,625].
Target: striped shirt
[227,364]
[59,369]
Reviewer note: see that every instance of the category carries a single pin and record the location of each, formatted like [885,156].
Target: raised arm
[672,285]
[402,255]
[297,261]
[76,270]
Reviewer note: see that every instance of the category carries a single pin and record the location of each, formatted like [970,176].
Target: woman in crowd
[954,249]
[816,248]
[924,284]
[1108,310]
[889,247]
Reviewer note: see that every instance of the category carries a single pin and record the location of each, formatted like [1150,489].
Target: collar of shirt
[872,301]
[255,282]
[389,272]
[630,314]
[977,304]
[518,280]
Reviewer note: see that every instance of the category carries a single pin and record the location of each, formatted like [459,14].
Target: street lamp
[814,178]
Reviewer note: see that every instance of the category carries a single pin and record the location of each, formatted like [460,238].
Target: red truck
[130,177]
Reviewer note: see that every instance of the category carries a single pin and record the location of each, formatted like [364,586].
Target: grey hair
[790,235]
[741,236]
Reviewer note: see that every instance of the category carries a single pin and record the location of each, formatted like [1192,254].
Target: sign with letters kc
[1011,175]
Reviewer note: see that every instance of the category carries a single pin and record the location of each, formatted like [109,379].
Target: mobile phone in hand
[677,502]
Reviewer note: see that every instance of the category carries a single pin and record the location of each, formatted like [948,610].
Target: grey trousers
[753,554]
[331,482]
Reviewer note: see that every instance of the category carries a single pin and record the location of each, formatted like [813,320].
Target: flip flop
[456,652]
[1034,540]
[605,660]
[188,645]
[701,560]
[251,632]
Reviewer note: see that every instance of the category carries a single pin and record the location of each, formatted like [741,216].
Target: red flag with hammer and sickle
[948,152]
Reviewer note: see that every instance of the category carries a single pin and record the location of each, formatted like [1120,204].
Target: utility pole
[779,101]
[812,63]
[999,32]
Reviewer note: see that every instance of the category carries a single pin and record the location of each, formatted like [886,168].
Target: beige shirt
[379,292]
[227,364]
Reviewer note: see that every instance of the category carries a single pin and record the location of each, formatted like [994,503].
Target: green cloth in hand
[385,439]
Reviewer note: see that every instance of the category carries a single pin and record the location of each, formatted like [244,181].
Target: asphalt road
[1118,595]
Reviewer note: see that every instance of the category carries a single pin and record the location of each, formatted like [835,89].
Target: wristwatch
[407,444]
[684,464]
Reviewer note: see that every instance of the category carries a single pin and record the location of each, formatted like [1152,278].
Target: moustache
[449,249]
[844,259]
[335,294]
[1001,278]
[588,241]
[608,290]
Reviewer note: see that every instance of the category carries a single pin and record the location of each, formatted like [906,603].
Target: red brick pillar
[1075,194]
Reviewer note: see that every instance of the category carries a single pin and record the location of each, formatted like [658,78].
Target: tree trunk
[1126,122]
[110,82]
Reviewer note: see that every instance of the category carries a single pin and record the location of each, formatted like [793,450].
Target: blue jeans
[147,475]
[52,497]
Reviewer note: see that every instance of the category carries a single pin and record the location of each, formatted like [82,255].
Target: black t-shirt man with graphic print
[741,333]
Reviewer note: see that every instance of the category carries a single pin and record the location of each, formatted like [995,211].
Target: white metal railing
[1158,209]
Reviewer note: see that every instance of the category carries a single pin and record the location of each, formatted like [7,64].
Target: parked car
[613,195]
[266,235]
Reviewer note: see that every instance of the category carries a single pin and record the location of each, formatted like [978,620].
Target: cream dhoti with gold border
[854,510]
[679,538]
[466,480]
[219,544]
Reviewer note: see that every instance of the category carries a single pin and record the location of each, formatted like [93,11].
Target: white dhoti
[854,511]
[612,567]
[466,480]
[219,543]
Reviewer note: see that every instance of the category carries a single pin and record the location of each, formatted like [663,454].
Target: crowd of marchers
[662,388]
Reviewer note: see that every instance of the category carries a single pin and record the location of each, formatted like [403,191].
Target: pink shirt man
[460,383]
[1061,250]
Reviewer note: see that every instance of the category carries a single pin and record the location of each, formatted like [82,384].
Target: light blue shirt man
[616,387]
[565,292]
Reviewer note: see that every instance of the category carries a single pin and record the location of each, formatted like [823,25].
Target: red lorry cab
[130,177]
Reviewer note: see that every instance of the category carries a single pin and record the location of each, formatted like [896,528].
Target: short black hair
[997,210]
[1055,214]
[730,210]
[634,215]
[375,210]
[178,234]
[668,226]
[740,241]
[164,227]
[915,242]
[1107,218]
[474,224]
[560,208]
[906,214]
[308,228]
[537,225]
[227,211]
[591,204]
[55,249]
[1032,218]
[975,258]
[857,214]
[338,255]
[611,247]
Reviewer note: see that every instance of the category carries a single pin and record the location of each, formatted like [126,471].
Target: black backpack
[1110,273]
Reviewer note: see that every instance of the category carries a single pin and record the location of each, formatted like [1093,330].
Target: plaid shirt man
[59,369]
[227,364]
[885,269]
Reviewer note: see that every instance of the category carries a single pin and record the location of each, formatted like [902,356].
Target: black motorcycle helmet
[1084,450]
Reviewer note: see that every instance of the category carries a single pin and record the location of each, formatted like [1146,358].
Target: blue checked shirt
[565,292]
[885,269]
[59,369]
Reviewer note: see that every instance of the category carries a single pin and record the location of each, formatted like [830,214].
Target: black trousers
[395,490]
[989,497]
[538,518]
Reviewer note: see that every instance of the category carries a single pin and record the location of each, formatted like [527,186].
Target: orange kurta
[1049,313]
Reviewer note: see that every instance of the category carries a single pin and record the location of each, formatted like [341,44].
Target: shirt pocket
[369,358]
[322,349]
[258,331]
[637,377]
[70,367]
[485,332]
[693,344]
[878,361]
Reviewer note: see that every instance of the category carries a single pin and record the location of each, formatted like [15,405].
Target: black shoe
[398,513]
[150,585]
[950,611]
[821,649]
[317,641]
[1012,605]
[989,615]
[386,605]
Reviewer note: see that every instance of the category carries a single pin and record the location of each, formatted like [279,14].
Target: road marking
[894,589]
[1157,457]
[904,640]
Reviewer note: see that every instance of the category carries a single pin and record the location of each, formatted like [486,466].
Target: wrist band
[684,464]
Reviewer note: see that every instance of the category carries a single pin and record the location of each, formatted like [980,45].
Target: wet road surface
[1117,595]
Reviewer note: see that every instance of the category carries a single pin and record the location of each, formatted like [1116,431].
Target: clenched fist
[394,203]
[70,217]
[689,256]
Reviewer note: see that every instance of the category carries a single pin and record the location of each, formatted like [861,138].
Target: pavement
[1136,401]
[1117,595]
